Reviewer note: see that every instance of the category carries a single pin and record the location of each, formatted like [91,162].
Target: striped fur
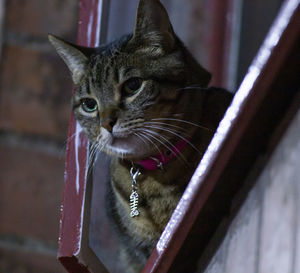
[171,103]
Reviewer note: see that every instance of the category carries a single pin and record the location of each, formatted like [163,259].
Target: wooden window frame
[259,106]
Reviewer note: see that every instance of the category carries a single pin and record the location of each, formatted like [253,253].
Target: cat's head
[127,89]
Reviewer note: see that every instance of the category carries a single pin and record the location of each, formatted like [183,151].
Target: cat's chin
[130,147]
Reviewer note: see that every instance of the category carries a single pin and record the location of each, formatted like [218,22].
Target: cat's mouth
[127,146]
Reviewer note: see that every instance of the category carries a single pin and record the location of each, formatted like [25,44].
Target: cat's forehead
[112,50]
[104,69]
[113,64]
[104,60]
[116,66]
[108,59]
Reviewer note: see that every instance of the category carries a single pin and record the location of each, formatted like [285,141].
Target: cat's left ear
[74,58]
[153,30]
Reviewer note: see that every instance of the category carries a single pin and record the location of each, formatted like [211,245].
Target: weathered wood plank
[294,154]
[264,236]
[244,235]
[277,234]
[218,262]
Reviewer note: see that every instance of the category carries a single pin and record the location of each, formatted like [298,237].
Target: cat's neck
[173,163]
[158,161]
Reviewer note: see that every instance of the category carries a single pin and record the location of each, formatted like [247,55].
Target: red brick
[38,17]
[22,262]
[35,91]
[31,193]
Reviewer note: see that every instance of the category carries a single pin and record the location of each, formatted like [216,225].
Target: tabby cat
[143,101]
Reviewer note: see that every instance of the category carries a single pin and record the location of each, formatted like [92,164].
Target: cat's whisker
[178,128]
[149,134]
[91,157]
[153,133]
[140,137]
[183,121]
[135,121]
[147,138]
[172,115]
[174,133]
[190,88]
[70,138]
[91,152]
[95,149]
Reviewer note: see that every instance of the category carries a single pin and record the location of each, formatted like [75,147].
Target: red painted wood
[72,265]
[220,40]
[72,209]
[255,87]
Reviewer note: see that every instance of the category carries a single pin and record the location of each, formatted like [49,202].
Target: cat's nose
[109,123]
[108,118]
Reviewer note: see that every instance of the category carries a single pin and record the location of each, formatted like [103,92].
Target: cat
[144,101]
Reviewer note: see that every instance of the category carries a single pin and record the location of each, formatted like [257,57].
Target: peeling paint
[77,144]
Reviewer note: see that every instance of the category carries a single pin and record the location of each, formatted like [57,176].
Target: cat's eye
[89,105]
[131,86]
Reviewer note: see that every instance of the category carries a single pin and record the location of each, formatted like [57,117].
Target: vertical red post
[72,239]
[220,40]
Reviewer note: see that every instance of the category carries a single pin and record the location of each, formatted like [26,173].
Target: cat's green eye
[89,105]
[131,86]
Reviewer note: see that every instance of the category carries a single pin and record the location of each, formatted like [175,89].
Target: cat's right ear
[74,58]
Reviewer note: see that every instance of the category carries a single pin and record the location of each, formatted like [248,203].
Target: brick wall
[35,90]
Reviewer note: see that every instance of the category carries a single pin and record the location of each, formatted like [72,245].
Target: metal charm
[134,197]
[159,164]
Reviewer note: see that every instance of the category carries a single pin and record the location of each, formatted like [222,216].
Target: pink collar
[158,161]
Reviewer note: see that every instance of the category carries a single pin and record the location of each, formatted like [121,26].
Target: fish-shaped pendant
[134,197]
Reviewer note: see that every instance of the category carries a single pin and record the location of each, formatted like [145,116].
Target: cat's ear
[74,58]
[153,30]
